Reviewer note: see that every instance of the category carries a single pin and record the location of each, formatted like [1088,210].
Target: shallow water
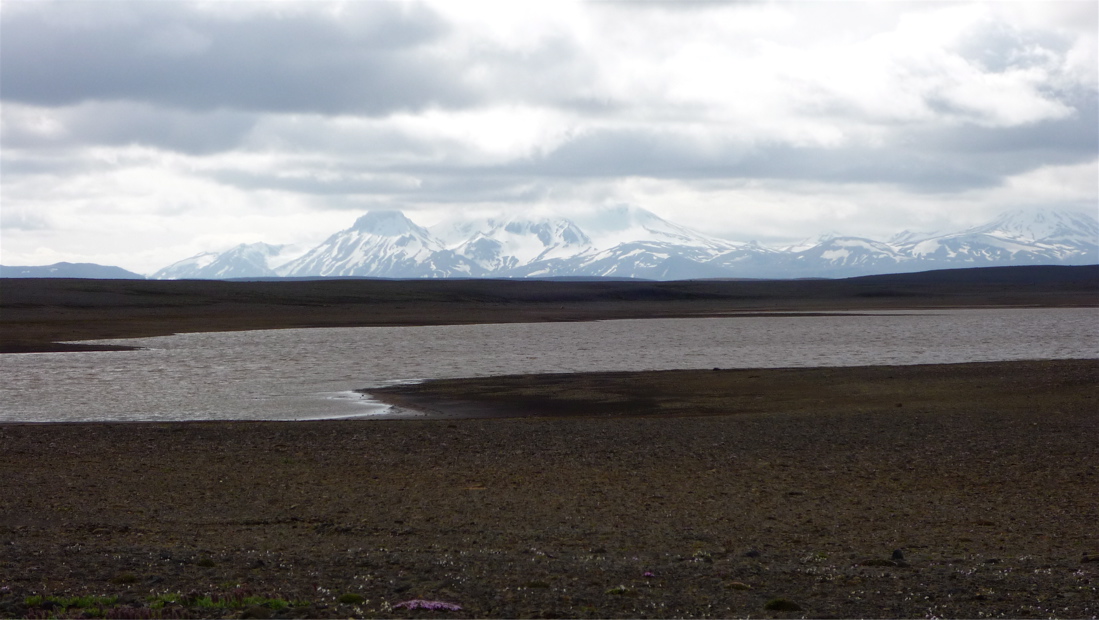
[297,374]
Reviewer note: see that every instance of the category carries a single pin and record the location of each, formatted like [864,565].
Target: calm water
[309,373]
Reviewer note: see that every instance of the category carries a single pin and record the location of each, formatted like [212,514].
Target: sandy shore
[974,497]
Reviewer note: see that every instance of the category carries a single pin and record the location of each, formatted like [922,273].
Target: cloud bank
[136,133]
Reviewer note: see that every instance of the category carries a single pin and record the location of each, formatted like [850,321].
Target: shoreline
[36,315]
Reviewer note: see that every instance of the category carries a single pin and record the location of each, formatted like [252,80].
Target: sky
[140,133]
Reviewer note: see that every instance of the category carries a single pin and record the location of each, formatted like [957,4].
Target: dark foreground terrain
[37,314]
[910,491]
[906,491]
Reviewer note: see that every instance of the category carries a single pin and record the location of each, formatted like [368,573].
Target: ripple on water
[297,374]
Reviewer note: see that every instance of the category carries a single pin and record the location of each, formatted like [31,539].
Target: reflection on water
[309,373]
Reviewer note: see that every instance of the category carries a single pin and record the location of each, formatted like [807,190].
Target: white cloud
[280,121]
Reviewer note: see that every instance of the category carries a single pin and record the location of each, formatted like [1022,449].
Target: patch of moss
[351,598]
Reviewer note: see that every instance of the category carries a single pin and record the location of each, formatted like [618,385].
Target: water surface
[295,374]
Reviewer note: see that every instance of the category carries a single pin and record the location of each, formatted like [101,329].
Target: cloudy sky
[139,133]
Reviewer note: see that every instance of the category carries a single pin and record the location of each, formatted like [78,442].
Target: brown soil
[950,491]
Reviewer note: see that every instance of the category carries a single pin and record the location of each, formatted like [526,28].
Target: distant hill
[70,270]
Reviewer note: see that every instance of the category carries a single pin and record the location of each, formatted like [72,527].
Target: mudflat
[961,490]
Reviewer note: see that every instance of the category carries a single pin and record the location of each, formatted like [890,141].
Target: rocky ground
[949,491]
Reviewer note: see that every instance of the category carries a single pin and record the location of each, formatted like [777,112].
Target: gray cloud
[374,60]
[919,159]
[935,159]
[997,47]
[124,123]
[1066,140]
[322,182]
[24,220]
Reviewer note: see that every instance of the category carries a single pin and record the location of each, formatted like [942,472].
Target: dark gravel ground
[976,501]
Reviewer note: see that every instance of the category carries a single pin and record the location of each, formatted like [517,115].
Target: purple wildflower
[648,574]
[419,603]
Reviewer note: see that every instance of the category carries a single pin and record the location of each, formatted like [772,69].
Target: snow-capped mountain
[612,226]
[382,244]
[247,260]
[850,255]
[1043,226]
[497,245]
[634,243]
[1032,236]
[653,260]
[189,268]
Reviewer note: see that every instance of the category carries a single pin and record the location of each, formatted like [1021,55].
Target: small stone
[898,555]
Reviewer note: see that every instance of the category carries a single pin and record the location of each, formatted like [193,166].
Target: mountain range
[625,242]
[630,242]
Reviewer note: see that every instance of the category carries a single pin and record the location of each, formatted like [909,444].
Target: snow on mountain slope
[753,260]
[381,244]
[973,250]
[653,260]
[847,255]
[910,236]
[1045,226]
[1031,236]
[612,226]
[247,260]
[244,261]
[186,268]
[506,244]
[632,242]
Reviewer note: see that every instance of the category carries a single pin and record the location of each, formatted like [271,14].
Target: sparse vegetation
[350,598]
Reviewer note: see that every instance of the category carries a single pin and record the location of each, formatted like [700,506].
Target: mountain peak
[1041,225]
[385,224]
[611,226]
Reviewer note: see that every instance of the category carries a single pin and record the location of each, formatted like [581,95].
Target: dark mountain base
[975,498]
[35,314]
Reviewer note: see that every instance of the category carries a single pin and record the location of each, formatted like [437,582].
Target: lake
[298,374]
